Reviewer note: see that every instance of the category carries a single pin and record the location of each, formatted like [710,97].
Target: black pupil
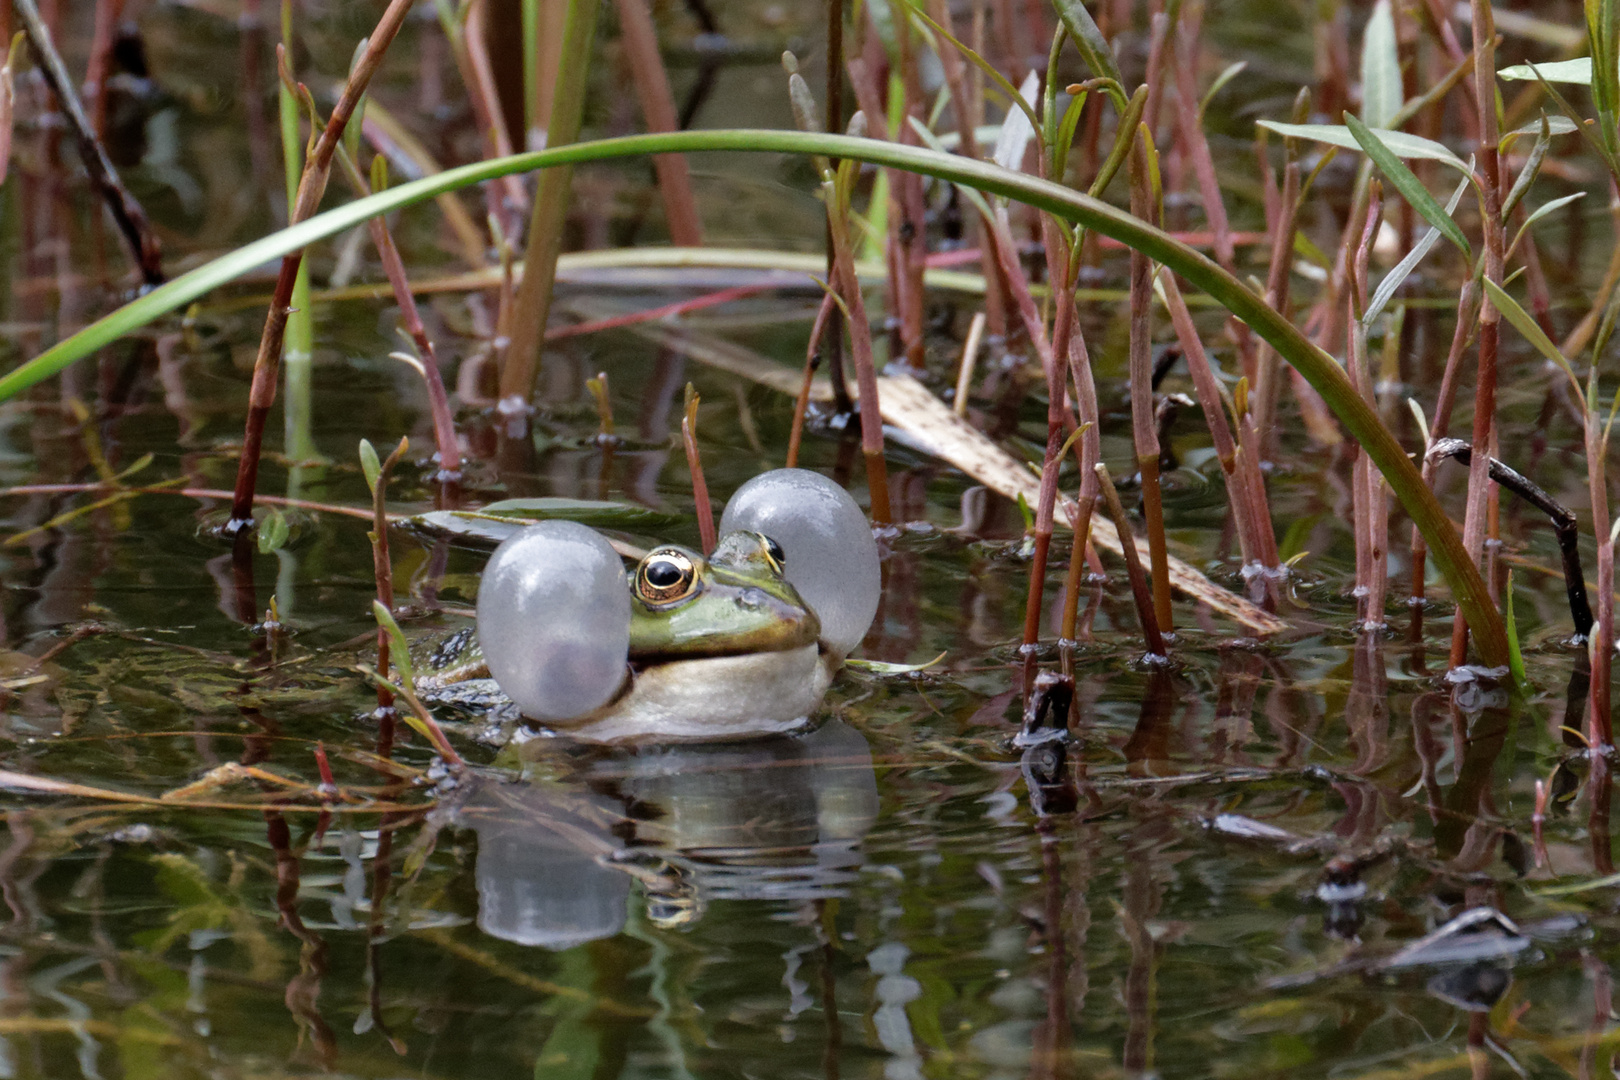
[663,573]
[775,549]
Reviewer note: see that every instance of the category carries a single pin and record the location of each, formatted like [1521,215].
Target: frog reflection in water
[716,648]
[778,819]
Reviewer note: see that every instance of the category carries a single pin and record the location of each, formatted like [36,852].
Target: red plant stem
[640,41]
[812,360]
[700,486]
[860,333]
[126,212]
[108,12]
[1474,521]
[680,307]
[1599,729]
[1440,424]
[1209,400]
[1365,480]
[444,424]
[1133,564]
[482,90]
[1144,433]
[267,365]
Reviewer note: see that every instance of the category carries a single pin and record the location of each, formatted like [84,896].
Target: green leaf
[273,531]
[1408,184]
[1381,97]
[1403,269]
[1094,48]
[1563,71]
[879,667]
[1556,125]
[1399,143]
[1526,325]
[1230,72]
[370,465]
[1540,212]
[598,514]
[399,651]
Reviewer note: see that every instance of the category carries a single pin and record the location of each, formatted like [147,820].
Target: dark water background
[1255,829]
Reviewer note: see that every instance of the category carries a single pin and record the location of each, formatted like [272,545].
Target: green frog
[719,647]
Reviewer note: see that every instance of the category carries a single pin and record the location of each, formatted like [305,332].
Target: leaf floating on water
[490,525]
[879,667]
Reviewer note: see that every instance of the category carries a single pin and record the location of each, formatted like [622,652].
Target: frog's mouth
[761,622]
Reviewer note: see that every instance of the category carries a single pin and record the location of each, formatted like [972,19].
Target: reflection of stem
[304,988]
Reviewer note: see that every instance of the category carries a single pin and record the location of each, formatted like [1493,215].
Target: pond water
[1226,872]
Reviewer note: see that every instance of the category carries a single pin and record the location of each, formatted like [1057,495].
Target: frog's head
[737,601]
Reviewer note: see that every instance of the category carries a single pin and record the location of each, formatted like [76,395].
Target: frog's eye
[774,552]
[665,577]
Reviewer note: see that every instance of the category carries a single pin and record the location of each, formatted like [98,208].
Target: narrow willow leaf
[1094,48]
[1403,269]
[1578,72]
[1399,143]
[1531,169]
[1381,97]
[1556,125]
[1231,72]
[370,464]
[1540,212]
[399,653]
[1526,325]
[1408,184]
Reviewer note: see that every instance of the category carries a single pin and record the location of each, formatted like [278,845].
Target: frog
[720,647]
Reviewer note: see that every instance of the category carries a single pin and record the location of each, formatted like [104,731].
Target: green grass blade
[1525,324]
[1317,367]
[1407,183]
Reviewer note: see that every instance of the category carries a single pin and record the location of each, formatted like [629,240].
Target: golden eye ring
[665,577]
[773,553]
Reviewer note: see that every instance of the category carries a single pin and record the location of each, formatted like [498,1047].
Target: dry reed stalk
[812,361]
[1144,435]
[1140,591]
[318,167]
[964,370]
[860,334]
[426,360]
[498,140]
[1474,519]
[639,39]
[532,305]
